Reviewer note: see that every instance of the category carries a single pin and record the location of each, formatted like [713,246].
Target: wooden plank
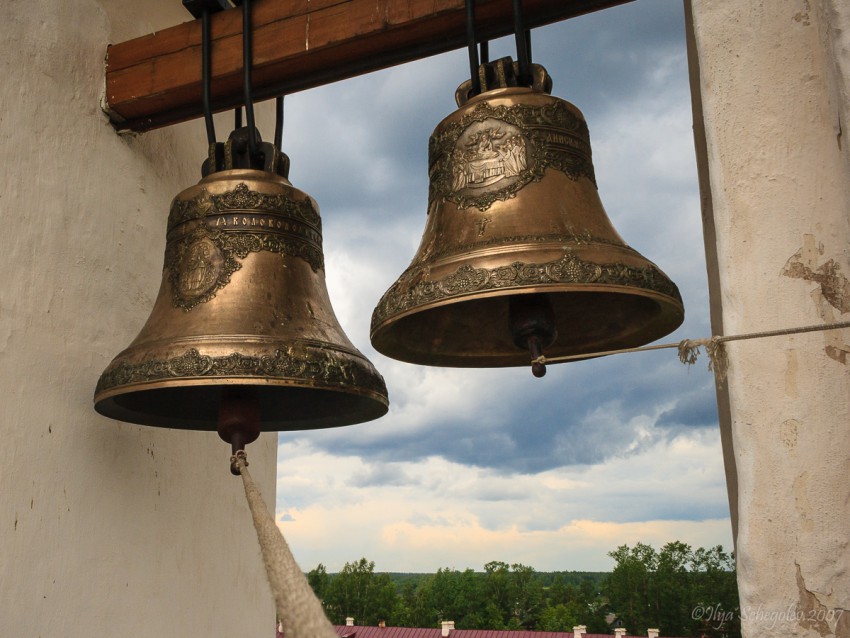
[155,80]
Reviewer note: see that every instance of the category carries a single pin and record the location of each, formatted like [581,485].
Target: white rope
[689,348]
[298,609]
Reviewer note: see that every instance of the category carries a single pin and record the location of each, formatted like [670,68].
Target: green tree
[672,589]
[359,592]
[497,595]
[680,590]
[405,612]
[452,595]
[561,617]
[513,596]
[629,585]
[319,580]
[715,589]
[526,593]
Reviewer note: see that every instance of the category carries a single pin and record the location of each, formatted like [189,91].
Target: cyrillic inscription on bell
[243,308]
[518,256]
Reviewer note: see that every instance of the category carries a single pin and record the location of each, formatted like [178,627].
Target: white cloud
[434,513]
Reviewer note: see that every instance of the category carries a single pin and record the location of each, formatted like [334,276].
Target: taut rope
[689,348]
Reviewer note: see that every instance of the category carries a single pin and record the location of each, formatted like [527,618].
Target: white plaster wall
[773,90]
[105,528]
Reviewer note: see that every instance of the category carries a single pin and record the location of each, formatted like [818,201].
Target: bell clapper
[238,420]
[538,368]
[531,321]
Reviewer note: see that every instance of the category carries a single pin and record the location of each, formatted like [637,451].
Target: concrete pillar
[105,528]
[772,110]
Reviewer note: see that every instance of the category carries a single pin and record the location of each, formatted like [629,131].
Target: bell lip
[373,406]
[674,317]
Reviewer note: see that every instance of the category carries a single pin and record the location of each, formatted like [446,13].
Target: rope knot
[238,462]
[689,350]
[718,361]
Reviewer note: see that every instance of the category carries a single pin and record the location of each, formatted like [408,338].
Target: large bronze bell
[518,256]
[243,318]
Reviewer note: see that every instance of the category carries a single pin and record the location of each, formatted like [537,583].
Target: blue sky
[471,466]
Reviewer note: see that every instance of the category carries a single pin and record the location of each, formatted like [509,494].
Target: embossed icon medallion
[494,151]
[200,267]
[488,156]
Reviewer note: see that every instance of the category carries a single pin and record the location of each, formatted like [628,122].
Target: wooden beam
[155,80]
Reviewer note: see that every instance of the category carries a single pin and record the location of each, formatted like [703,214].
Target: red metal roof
[414,632]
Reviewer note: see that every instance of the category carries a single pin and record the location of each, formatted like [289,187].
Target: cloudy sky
[473,465]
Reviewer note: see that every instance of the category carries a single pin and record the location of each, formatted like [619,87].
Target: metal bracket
[501,74]
[234,153]
[197,7]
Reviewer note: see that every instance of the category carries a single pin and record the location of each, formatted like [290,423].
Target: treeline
[680,590]
[670,589]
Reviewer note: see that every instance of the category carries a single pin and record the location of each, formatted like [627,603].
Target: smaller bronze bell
[518,256]
[243,329]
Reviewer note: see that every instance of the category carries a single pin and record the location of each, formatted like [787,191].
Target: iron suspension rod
[472,47]
[205,76]
[247,63]
[523,44]
[278,123]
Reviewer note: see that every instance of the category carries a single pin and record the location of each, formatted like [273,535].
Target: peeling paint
[832,294]
[834,286]
[812,612]
[838,354]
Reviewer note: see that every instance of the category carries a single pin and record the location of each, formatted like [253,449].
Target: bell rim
[178,382]
[671,316]
[553,288]
[373,404]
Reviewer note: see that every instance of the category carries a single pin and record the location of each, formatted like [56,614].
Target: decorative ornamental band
[242,199]
[468,280]
[327,368]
